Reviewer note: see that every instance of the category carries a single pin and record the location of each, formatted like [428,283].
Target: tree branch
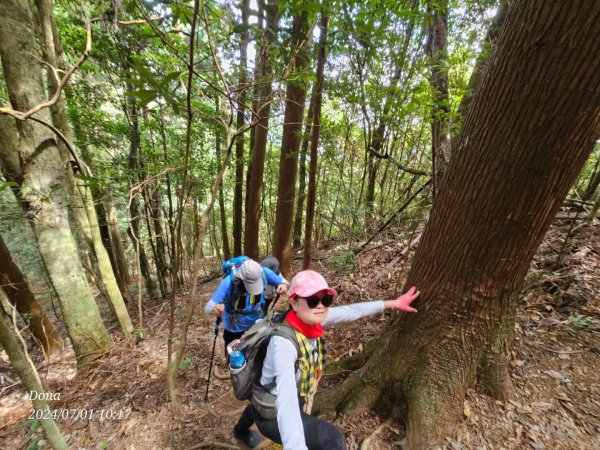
[397,164]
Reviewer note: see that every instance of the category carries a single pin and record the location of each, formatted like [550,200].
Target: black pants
[229,337]
[318,434]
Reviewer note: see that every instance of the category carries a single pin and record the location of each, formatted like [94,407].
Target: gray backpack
[253,344]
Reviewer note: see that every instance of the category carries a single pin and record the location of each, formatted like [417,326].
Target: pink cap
[307,283]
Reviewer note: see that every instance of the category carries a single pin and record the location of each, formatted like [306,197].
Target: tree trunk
[105,268]
[254,193]
[135,210]
[377,139]
[17,290]
[437,49]
[290,143]
[117,242]
[297,234]
[42,187]
[222,215]
[31,383]
[238,196]
[81,193]
[314,142]
[531,128]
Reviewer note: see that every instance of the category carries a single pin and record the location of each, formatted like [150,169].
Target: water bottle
[237,361]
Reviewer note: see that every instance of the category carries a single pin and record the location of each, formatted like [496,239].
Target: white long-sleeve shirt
[279,366]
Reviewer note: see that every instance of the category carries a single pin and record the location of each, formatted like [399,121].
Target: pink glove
[403,302]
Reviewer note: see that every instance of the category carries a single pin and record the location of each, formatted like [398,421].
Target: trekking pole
[212,357]
[274,302]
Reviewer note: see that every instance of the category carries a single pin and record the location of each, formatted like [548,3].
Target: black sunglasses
[313,301]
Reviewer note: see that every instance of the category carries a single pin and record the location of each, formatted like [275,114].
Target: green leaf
[185,363]
[145,95]
[6,185]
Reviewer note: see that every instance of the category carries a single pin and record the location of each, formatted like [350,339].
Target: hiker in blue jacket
[239,299]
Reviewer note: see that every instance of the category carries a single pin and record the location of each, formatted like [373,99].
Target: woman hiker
[291,378]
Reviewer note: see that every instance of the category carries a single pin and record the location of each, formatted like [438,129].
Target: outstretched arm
[349,313]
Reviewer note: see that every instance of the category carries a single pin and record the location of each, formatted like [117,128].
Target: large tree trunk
[81,193]
[290,144]
[311,194]
[254,193]
[532,126]
[42,188]
[17,290]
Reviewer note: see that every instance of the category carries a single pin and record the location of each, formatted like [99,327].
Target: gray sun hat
[251,275]
[271,263]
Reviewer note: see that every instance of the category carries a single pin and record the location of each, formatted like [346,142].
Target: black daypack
[253,344]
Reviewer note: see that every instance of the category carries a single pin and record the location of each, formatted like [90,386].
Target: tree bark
[238,196]
[297,234]
[531,128]
[254,193]
[80,191]
[222,215]
[135,210]
[290,143]
[42,187]
[437,49]
[17,290]
[314,142]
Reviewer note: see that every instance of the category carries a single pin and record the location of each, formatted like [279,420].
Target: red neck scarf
[310,331]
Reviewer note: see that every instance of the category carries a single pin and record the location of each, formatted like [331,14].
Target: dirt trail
[554,360]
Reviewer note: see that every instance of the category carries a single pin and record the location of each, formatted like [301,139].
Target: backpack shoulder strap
[285,331]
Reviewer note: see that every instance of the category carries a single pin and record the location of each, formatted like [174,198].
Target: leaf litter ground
[554,361]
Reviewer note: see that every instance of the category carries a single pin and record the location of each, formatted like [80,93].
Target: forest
[451,145]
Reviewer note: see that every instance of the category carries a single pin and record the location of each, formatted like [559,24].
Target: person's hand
[403,302]
[282,289]
[218,310]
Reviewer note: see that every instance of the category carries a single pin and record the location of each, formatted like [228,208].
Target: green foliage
[33,437]
[376,72]
[185,363]
[7,184]
[343,262]
[578,321]
[139,334]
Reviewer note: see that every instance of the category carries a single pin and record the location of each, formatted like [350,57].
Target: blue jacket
[241,309]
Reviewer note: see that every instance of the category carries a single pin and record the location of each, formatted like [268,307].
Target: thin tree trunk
[31,382]
[104,266]
[222,215]
[297,235]
[314,142]
[238,196]
[117,241]
[438,56]
[135,211]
